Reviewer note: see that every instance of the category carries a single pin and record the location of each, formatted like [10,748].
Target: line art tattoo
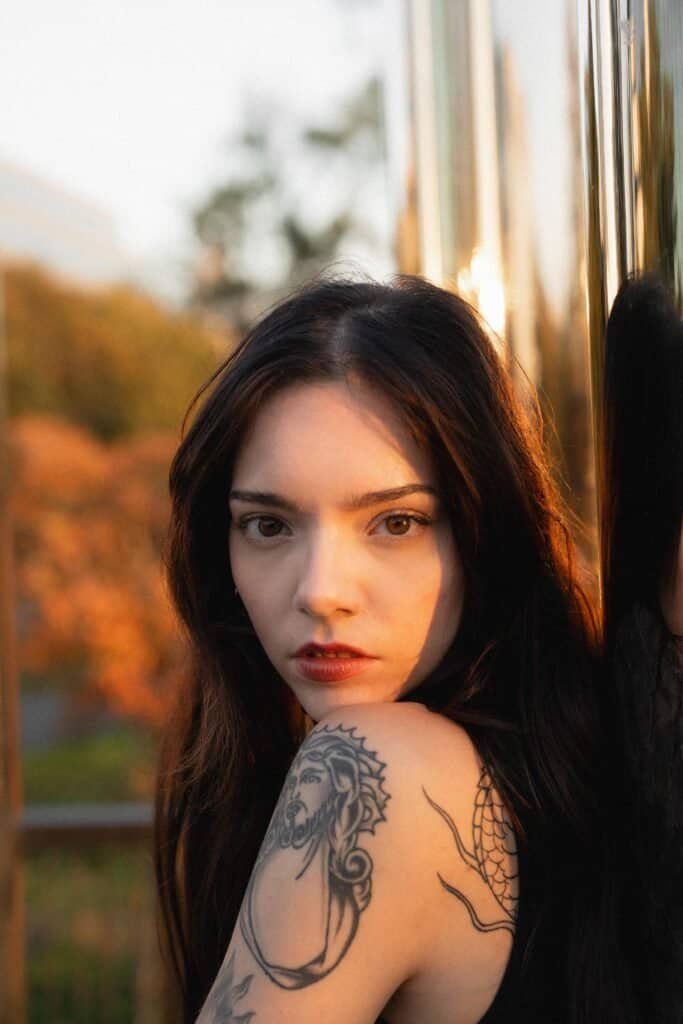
[333,792]
[493,842]
[222,998]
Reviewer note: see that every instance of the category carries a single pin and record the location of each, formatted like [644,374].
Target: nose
[324,585]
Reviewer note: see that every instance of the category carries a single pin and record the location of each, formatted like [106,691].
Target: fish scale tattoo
[333,795]
[494,846]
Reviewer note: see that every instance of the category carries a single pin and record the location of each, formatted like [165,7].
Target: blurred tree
[276,210]
[99,381]
[113,361]
[91,607]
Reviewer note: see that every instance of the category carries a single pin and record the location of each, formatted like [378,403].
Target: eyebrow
[356,501]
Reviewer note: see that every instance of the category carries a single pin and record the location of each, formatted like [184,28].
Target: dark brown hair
[520,674]
[641,468]
[642,463]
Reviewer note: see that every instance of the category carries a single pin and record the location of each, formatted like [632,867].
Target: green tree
[112,360]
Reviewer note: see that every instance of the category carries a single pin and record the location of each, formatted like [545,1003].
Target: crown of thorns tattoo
[326,743]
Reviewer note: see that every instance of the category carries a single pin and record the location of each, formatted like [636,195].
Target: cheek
[248,575]
[429,614]
[438,579]
[438,597]
[255,595]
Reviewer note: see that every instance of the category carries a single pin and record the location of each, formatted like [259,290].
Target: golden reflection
[481,283]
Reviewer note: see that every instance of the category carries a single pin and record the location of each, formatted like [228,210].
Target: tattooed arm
[387,844]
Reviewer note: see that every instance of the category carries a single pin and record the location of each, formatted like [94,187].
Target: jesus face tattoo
[333,793]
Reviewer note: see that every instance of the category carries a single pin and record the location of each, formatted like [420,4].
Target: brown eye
[404,524]
[403,520]
[268,527]
[265,527]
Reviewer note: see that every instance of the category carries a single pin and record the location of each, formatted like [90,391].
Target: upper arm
[355,872]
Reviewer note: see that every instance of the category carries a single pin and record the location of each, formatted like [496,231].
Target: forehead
[345,435]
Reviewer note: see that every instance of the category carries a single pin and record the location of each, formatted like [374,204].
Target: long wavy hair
[520,675]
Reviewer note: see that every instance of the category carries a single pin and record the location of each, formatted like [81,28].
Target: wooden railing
[83,825]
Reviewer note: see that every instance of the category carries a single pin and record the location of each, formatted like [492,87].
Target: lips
[327,669]
[311,650]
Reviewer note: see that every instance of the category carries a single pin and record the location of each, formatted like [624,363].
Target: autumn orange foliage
[97,383]
[89,520]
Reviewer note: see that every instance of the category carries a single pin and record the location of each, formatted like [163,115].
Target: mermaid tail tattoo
[493,844]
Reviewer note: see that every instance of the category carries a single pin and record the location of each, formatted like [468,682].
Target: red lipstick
[330,669]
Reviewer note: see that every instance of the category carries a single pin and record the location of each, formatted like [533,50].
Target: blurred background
[169,171]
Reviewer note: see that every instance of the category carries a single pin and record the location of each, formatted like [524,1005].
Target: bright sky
[131,102]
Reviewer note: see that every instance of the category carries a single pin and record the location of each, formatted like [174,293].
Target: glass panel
[494,179]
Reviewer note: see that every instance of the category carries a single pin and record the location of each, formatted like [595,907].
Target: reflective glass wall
[536,159]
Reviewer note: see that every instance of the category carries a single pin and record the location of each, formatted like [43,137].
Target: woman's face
[383,575]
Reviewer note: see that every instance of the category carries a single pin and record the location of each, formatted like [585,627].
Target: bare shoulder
[442,794]
[423,761]
[384,860]
[417,740]
[399,716]
[451,836]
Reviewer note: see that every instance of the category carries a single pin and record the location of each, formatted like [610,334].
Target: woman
[415,833]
